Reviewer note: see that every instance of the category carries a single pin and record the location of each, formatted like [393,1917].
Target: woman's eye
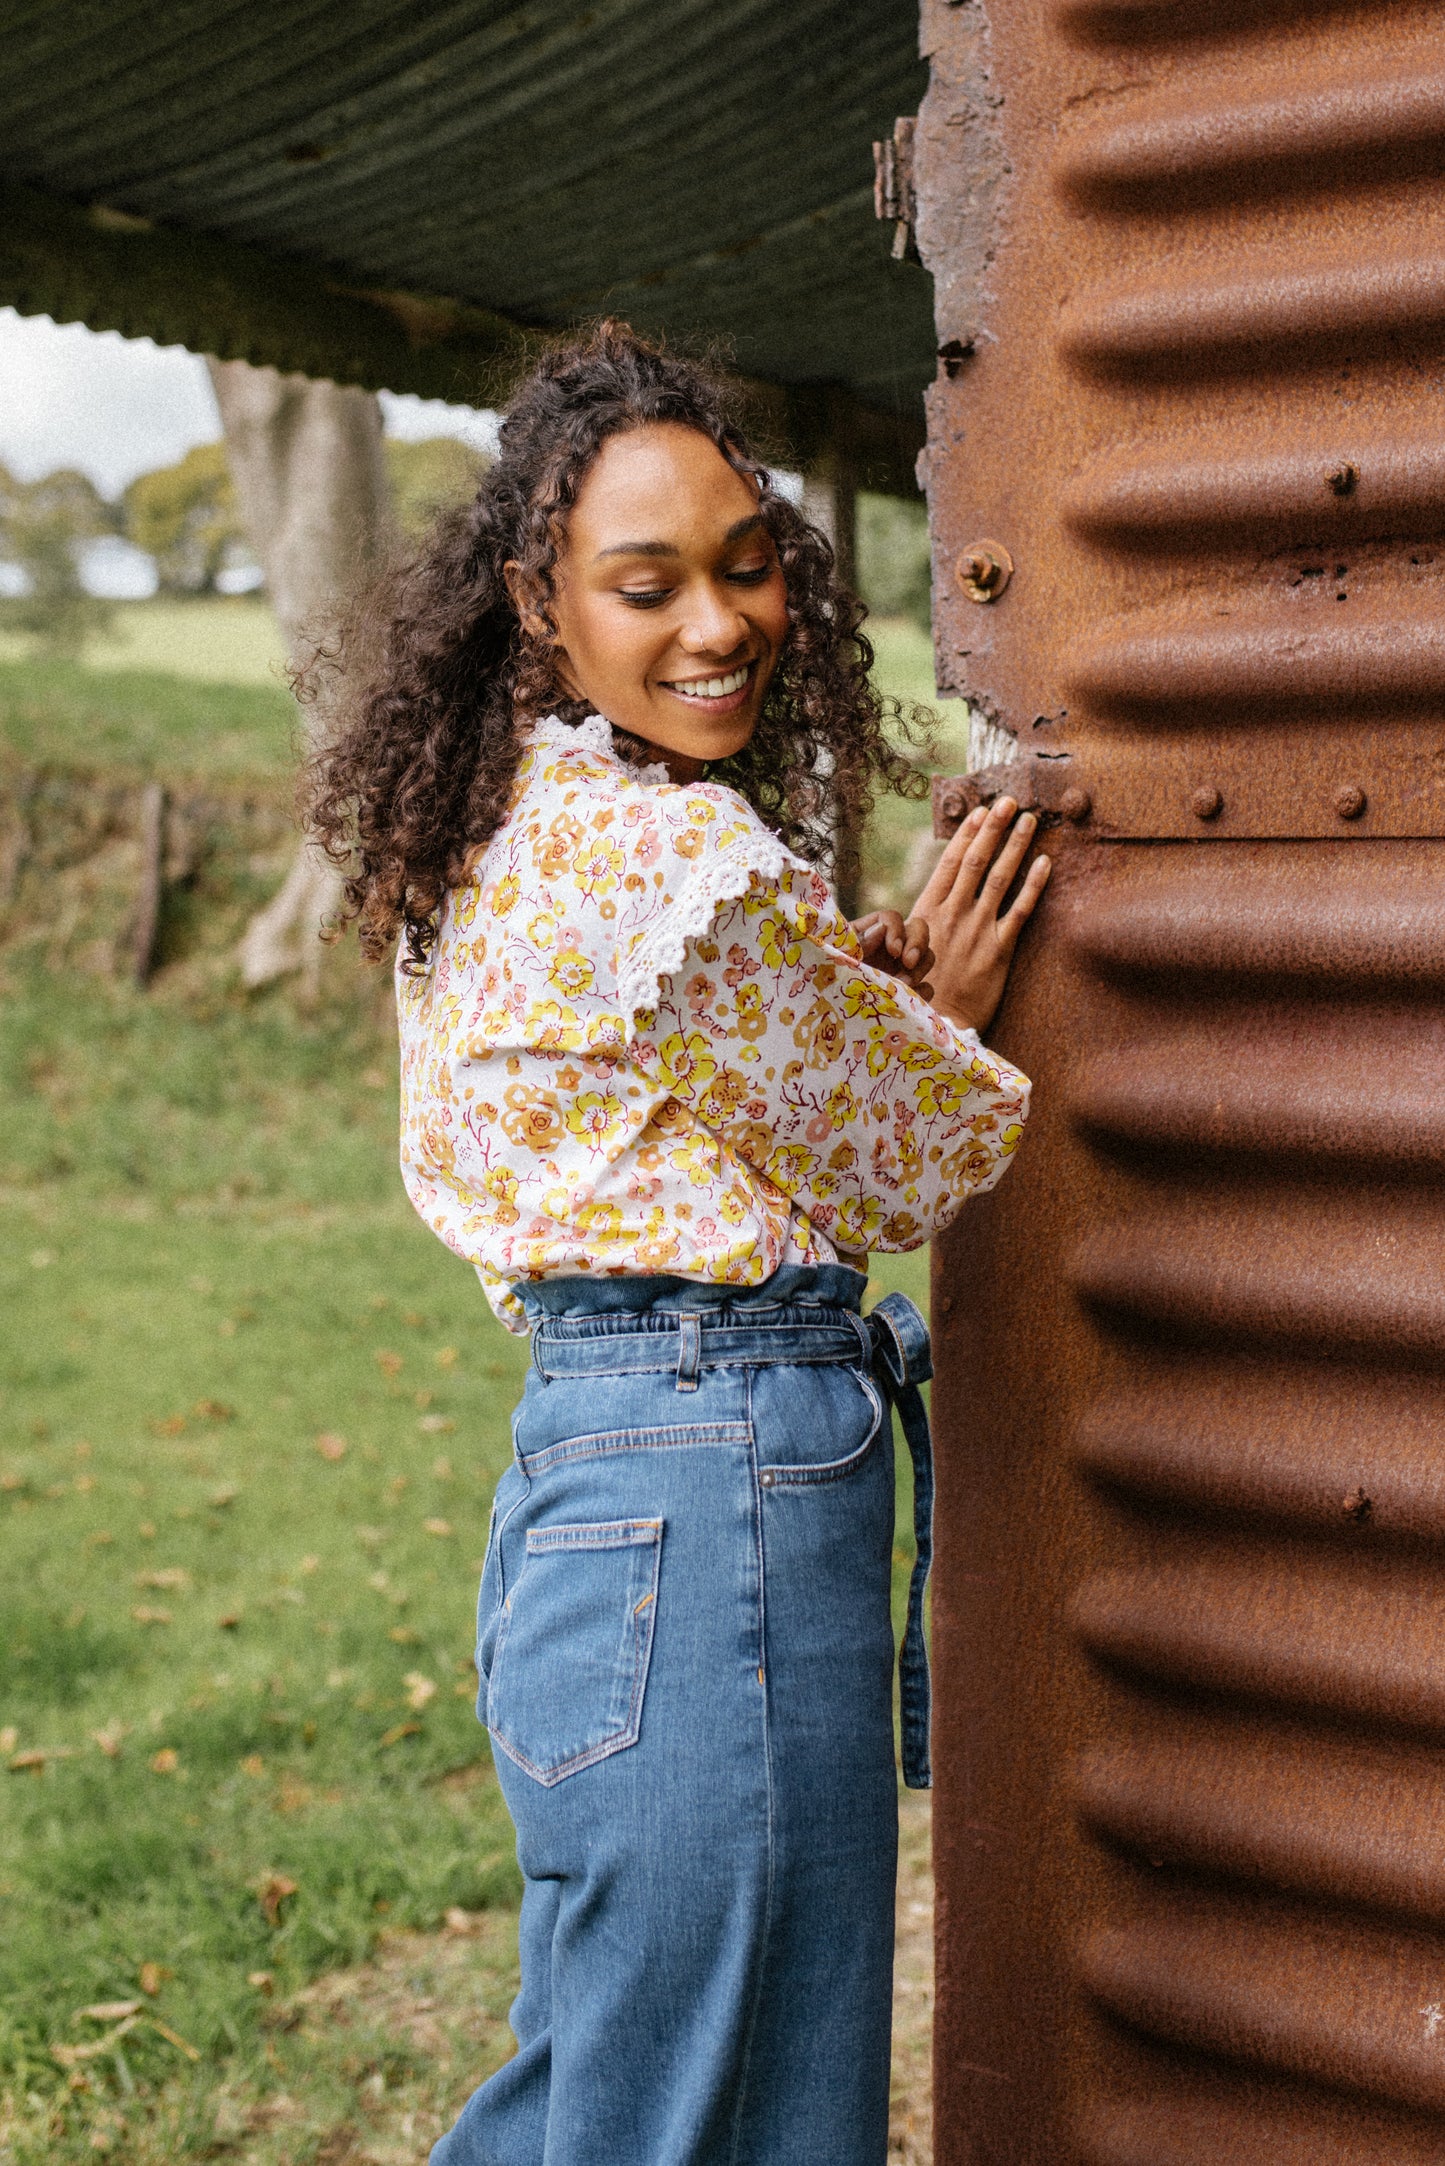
[644,597]
[752,575]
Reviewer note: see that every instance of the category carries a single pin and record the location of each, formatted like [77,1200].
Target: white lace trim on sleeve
[661,948]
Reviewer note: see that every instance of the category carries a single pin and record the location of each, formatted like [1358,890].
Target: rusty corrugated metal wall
[1190,1606]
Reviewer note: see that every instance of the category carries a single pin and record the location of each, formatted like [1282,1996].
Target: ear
[525,601]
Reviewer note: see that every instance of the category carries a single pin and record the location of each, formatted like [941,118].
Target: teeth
[713,687]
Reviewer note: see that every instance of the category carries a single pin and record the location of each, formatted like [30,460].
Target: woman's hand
[899,950]
[973,945]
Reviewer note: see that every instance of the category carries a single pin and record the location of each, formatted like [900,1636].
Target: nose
[714,624]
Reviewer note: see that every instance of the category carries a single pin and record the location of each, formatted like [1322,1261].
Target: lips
[726,685]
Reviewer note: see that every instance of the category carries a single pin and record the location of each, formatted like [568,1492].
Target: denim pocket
[569,1668]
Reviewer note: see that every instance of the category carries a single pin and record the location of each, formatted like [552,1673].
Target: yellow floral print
[695,1072]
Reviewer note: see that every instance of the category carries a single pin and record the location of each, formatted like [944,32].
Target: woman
[665,1100]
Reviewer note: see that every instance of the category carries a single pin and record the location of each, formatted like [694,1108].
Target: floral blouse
[646,1041]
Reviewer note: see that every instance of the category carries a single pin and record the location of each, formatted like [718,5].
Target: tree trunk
[310,478]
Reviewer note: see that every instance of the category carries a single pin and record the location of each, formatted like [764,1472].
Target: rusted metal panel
[1190,1604]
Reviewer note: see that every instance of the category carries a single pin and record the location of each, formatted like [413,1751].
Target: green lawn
[250,1417]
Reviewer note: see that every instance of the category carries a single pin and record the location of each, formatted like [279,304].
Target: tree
[894,574]
[311,485]
[429,477]
[44,526]
[185,516]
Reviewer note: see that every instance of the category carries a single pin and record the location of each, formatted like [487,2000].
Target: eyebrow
[735,532]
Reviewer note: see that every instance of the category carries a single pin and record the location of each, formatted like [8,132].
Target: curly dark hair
[430,672]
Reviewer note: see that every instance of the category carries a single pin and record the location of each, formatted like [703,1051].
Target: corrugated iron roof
[702,166]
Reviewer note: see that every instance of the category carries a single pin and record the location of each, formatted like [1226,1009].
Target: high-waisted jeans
[685,1648]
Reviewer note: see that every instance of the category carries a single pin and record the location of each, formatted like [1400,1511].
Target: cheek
[611,643]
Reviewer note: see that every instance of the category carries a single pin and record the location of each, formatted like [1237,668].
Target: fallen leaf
[152,1976]
[421,1400]
[441,1470]
[389,1364]
[439,1527]
[436,1425]
[213,1410]
[106,2012]
[414,1318]
[465,1691]
[144,1616]
[173,2038]
[146,1530]
[310,1564]
[100,1539]
[419,1689]
[227,1493]
[10,1481]
[29,1762]
[166,1761]
[229,1619]
[458,1920]
[110,1738]
[173,1576]
[253,1764]
[69,2055]
[272,1892]
[263,1980]
[402,1729]
[170,1425]
[9,1738]
[403,1635]
[331,1446]
[371,1537]
[446,1357]
[84,1483]
[379,1581]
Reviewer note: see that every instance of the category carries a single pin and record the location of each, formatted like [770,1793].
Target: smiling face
[669,599]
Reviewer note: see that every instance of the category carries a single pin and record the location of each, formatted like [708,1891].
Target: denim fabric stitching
[762,1652]
[641,1653]
[601,1443]
[787,1476]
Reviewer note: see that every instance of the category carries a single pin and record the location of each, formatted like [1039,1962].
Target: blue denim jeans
[685,1648]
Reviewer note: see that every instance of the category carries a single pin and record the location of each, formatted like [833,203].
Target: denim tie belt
[894,1339]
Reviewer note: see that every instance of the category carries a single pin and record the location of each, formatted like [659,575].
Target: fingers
[1010,856]
[990,833]
[1014,919]
[915,951]
[945,872]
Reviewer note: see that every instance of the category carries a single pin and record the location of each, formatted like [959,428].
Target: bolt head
[1350,800]
[984,570]
[1206,803]
[1076,804]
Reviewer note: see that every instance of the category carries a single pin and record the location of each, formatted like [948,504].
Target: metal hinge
[893,195]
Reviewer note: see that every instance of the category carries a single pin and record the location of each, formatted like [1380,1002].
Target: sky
[117,407]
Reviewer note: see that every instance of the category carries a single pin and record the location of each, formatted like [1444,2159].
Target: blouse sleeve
[870,1112]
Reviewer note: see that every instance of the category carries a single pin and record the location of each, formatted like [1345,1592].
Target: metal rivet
[1359,1505]
[1076,804]
[951,804]
[984,571]
[1206,802]
[766,1480]
[1350,800]
[1343,480]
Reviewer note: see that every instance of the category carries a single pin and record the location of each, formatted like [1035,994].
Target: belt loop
[689,1349]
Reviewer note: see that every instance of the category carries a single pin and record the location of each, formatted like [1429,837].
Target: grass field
[255,1877]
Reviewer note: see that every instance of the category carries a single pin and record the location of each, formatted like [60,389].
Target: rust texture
[1190,1599]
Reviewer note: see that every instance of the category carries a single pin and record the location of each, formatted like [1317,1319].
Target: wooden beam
[92,264]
